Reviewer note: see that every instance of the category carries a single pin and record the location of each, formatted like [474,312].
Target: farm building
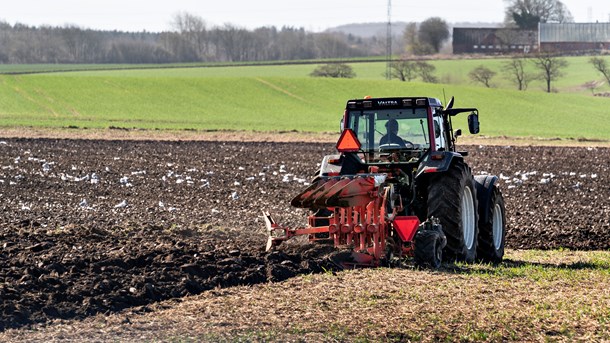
[494,40]
[574,36]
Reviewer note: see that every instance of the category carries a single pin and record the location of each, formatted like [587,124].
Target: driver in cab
[391,136]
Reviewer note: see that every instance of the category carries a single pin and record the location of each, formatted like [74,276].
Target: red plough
[357,218]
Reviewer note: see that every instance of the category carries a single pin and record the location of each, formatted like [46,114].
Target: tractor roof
[388,103]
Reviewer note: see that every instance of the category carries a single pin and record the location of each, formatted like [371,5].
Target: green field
[284,98]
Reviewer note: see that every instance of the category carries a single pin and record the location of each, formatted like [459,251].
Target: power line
[388,72]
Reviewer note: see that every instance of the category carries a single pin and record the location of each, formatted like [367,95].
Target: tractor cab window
[439,129]
[379,130]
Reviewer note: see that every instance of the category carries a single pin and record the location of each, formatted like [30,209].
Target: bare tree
[193,29]
[482,74]
[526,14]
[600,65]
[75,41]
[329,45]
[514,69]
[404,70]
[550,68]
[425,71]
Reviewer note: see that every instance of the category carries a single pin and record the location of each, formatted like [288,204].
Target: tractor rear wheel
[492,229]
[429,245]
[452,199]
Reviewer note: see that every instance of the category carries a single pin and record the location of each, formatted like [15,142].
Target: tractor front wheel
[429,244]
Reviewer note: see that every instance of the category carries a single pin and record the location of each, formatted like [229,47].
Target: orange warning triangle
[348,142]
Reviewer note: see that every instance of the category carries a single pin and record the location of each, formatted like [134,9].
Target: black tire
[449,193]
[492,230]
[429,248]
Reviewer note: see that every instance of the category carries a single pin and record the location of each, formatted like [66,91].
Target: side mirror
[457,133]
[473,123]
[342,125]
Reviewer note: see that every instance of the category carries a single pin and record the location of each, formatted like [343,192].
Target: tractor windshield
[390,129]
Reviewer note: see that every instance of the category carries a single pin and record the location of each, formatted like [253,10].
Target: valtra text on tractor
[400,188]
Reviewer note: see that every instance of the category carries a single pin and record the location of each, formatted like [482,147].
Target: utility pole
[388,72]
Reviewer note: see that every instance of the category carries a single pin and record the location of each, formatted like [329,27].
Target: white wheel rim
[497,226]
[468,216]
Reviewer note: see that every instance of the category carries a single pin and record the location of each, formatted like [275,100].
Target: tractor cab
[396,129]
[402,129]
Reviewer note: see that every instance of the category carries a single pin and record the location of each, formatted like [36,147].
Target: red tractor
[399,187]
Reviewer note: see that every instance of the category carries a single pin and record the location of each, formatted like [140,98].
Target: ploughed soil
[97,226]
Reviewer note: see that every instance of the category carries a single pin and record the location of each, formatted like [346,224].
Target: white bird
[83,203]
[121,204]
[234,196]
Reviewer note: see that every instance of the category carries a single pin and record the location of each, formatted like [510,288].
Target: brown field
[139,240]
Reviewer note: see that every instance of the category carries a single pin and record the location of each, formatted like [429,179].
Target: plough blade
[353,260]
[307,197]
[276,233]
[358,192]
[330,190]
[297,201]
[346,191]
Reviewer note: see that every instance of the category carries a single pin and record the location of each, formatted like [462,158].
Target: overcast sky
[313,15]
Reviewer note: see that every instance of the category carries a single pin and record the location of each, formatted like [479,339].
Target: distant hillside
[369,30]
[477,25]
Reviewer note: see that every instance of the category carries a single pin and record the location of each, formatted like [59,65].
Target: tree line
[190,40]
[548,68]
